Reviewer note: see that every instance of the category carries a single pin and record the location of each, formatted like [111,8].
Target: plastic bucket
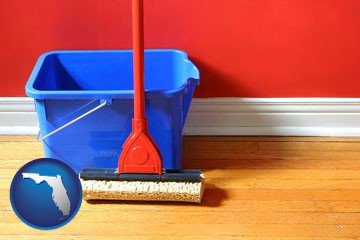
[93,90]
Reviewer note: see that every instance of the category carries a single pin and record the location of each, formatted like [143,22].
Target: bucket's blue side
[67,84]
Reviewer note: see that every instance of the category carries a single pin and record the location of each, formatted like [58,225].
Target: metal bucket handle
[103,103]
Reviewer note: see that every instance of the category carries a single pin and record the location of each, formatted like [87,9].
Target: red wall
[243,48]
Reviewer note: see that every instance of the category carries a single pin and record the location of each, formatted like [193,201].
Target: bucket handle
[39,137]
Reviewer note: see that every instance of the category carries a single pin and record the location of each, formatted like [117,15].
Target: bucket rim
[34,93]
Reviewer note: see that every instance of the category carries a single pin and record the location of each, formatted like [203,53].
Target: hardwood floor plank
[223,205]
[284,184]
[117,236]
[306,146]
[164,230]
[14,146]
[104,216]
[17,163]
[282,174]
[219,195]
[203,152]
[291,163]
[17,138]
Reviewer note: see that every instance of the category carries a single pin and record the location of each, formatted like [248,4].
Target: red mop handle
[138,59]
[140,153]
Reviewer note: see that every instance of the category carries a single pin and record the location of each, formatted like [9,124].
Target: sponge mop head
[143,190]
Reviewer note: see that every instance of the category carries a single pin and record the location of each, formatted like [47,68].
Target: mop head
[179,191]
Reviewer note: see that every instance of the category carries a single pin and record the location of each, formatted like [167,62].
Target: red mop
[140,175]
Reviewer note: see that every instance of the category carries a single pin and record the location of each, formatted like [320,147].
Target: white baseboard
[231,116]
[274,116]
[18,116]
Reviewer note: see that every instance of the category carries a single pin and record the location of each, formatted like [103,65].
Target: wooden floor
[256,188]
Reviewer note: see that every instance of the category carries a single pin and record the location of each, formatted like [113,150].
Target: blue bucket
[84,103]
